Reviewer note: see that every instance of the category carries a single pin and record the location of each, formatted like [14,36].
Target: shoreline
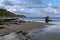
[27,26]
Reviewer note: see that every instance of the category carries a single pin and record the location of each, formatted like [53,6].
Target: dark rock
[19,32]
[23,33]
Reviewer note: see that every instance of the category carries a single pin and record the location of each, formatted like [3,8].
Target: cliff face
[5,13]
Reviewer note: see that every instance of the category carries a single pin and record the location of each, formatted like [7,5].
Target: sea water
[55,20]
[49,32]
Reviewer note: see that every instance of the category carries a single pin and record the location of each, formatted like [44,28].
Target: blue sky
[32,8]
[53,2]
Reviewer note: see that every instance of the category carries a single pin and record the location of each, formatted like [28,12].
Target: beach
[29,20]
[10,30]
[29,30]
[25,30]
[28,26]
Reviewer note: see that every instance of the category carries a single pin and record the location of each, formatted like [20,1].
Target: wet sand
[28,26]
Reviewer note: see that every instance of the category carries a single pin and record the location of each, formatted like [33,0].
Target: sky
[32,8]
[53,2]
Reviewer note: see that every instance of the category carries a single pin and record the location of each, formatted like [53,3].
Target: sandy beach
[28,26]
[22,31]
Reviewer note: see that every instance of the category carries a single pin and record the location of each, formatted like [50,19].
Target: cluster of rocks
[20,35]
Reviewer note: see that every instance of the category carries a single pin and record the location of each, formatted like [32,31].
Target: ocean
[42,19]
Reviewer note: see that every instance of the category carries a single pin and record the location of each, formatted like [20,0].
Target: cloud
[49,4]
[1,5]
[6,2]
[29,7]
[36,1]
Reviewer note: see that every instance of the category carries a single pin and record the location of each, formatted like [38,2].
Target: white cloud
[1,1]
[49,4]
[22,9]
[2,6]
[29,7]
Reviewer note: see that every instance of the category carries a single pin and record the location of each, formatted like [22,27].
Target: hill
[5,13]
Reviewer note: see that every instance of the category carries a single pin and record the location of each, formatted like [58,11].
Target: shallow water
[48,33]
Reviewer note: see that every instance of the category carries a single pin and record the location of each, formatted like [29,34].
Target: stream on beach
[49,32]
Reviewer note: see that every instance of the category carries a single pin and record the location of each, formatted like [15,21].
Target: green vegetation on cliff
[5,13]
